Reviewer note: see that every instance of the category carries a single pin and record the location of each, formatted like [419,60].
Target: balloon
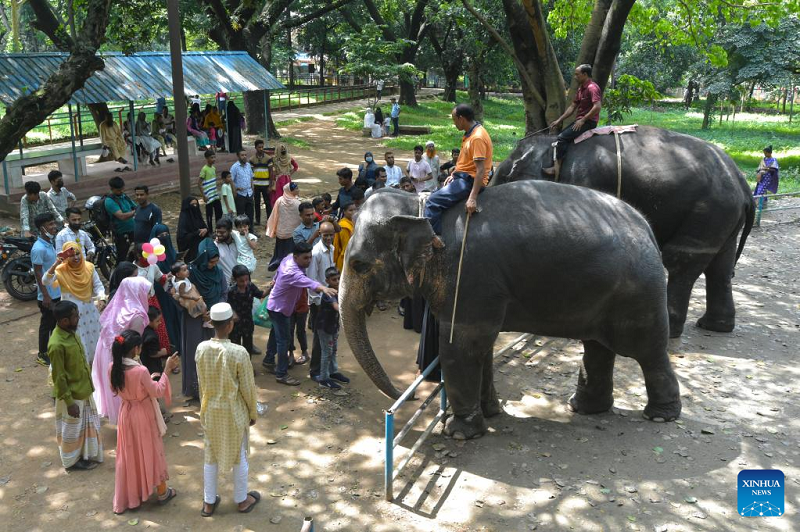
[159,250]
[147,248]
[155,242]
[162,257]
[145,254]
[152,259]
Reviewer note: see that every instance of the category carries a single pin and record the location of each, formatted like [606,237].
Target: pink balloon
[152,259]
[155,242]
[163,256]
[147,248]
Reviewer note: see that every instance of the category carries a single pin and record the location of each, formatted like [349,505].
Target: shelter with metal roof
[139,76]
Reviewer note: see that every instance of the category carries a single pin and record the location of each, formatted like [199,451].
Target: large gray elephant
[692,193]
[543,258]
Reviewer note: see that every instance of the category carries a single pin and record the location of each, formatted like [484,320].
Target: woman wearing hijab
[283,168]
[283,220]
[80,284]
[161,232]
[127,310]
[123,270]
[235,121]
[170,310]
[191,228]
[194,126]
[212,123]
[366,170]
[206,276]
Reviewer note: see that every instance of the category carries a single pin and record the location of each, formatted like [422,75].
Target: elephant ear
[414,242]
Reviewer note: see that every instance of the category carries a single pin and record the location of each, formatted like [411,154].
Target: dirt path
[321,455]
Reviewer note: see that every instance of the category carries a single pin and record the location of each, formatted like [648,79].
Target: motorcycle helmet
[91,201]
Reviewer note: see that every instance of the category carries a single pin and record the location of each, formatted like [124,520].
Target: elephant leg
[720,313]
[663,391]
[490,404]
[595,391]
[463,365]
[683,269]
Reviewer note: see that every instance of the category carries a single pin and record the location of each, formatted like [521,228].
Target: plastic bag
[260,314]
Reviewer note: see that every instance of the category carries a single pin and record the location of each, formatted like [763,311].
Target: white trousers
[211,474]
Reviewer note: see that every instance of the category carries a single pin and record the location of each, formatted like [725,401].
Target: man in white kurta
[227,411]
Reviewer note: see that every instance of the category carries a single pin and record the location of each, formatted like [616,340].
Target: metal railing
[761,204]
[390,473]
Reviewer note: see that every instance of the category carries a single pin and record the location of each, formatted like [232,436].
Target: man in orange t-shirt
[471,174]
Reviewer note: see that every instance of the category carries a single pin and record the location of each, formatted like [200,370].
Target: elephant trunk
[354,322]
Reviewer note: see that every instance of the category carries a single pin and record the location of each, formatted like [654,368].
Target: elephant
[540,257]
[692,193]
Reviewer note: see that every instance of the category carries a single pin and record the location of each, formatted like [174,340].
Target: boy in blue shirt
[327,329]
[43,256]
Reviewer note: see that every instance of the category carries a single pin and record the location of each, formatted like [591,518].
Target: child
[187,295]
[152,353]
[327,328]
[240,298]
[245,242]
[343,237]
[226,195]
[140,463]
[319,207]
[326,204]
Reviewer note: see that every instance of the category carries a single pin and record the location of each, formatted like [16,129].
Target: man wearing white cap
[227,411]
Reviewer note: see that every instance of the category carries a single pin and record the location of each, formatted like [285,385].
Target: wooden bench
[13,164]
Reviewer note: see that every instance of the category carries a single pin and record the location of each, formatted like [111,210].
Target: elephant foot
[582,404]
[724,325]
[491,408]
[460,428]
[663,412]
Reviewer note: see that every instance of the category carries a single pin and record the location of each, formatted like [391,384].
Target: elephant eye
[360,266]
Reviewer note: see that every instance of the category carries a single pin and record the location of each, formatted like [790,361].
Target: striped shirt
[260,169]
[209,176]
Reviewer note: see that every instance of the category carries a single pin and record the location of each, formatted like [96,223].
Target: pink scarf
[129,302]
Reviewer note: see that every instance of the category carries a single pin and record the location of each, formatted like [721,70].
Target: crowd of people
[193,310]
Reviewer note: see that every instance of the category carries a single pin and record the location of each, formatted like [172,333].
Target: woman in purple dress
[767,174]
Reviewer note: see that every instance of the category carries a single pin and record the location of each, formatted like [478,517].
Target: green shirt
[72,379]
[120,204]
[209,176]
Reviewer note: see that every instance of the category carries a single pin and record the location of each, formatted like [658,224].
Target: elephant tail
[750,216]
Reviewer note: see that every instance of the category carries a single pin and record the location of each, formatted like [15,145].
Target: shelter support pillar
[72,139]
[178,94]
[132,126]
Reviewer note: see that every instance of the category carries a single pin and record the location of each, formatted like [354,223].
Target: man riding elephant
[587,103]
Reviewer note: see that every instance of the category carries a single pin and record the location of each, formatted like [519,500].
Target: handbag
[261,314]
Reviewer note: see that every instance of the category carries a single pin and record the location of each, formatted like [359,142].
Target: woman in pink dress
[283,167]
[126,310]
[141,466]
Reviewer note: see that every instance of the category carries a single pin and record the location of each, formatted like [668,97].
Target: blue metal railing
[761,205]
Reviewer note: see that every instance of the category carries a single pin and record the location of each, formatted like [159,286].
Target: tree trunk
[31,110]
[475,82]
[785,97]
[610,41]
[407,94]
[99,112]
[752,90]
[254,111]
[452,69]
[711,100]
[591,36]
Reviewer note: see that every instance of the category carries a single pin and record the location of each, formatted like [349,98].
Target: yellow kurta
[227,399]
[111,136]
[340,241]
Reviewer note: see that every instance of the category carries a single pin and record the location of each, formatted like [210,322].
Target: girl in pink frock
[141,466]
[283,167]
[126,310]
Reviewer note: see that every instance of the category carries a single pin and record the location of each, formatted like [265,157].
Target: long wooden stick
[458,277]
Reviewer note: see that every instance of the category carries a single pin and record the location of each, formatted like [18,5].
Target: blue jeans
[444,198]
[278,342]
[396,125]
[568,136]
[328,343]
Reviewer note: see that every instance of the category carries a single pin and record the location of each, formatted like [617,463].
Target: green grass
[743,139]
[300,143]
[291,121]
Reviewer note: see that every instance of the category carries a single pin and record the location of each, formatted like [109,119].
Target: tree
[253,26]
[32,109]
[412,29]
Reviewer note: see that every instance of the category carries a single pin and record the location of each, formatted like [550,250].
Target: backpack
[100,215]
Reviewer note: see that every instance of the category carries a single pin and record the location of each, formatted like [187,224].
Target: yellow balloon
[159,250]
[145,254]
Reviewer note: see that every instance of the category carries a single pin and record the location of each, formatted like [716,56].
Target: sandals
[302,360]
[83,465]
[171,493]
[213,508]
[255,495]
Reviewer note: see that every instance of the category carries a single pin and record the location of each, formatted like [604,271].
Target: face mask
[368,159]
[75,227]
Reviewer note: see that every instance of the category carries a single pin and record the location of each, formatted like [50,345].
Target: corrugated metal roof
[138,76]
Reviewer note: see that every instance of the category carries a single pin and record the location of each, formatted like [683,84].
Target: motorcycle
[18,276]
[105,256]
[105,253]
